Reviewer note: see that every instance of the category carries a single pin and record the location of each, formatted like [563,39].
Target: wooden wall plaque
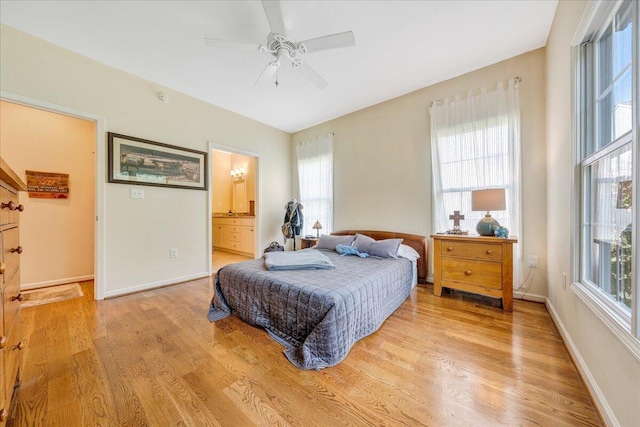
[47,185]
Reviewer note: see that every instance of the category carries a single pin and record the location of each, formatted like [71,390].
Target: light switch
[137,193]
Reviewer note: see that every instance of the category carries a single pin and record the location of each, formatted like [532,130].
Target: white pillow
[406,251]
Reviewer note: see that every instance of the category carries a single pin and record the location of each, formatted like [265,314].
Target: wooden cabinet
[234,234]
[248,239]
[477,264]
[217,235]
[10,249]
[307,242]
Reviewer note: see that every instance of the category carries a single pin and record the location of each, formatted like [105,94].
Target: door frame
[235,150]
[100,161]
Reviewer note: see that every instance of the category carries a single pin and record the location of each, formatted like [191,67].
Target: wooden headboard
[417,242]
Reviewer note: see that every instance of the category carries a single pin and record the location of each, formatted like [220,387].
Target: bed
[317,315]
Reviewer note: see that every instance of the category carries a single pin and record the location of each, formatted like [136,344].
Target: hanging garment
[293,220]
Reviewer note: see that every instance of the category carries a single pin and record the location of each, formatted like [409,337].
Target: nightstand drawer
[481,251]
[476,264]
[480,273]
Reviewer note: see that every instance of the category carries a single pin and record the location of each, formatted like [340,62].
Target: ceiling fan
[282,48]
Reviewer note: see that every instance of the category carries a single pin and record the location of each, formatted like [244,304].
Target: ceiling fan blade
[310,74]
[274,16]
[230,44]
[268,72]
[333,41]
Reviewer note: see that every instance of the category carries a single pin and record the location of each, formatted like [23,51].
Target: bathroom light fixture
[238,173]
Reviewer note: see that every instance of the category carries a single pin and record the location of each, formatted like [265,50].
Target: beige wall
[612,370]
[140,232]
[57,234]
[382,158]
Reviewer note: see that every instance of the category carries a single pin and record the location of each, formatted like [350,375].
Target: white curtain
[475,144]
[315,182]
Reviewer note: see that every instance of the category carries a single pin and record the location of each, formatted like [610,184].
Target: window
[607,149]
[475,144]
[315,181]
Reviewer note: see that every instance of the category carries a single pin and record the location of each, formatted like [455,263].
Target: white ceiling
[401,46]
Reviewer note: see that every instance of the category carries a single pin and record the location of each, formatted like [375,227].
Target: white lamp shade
[488,200]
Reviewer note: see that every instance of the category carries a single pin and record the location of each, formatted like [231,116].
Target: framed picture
[139,161]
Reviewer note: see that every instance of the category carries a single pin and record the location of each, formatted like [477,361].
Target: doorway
[234,190]
[84,170]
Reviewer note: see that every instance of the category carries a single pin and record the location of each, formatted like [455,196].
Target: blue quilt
[309,259]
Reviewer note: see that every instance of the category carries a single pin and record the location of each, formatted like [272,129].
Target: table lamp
[317,226]
[488,200]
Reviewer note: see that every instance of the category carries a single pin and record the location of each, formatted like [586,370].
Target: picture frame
[139,161]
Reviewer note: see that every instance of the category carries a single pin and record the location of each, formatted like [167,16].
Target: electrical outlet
[533,261]
[564,281]
[173,253]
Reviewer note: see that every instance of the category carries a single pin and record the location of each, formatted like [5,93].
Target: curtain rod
[315,137]
[517,79]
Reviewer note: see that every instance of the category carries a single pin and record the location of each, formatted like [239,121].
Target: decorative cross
[456,217]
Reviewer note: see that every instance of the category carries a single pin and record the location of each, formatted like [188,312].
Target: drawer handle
[3,267]
[449,248]
[4,415]
[3,342]
[18,297]
[18,249]
[12,206]
[468,272]
[489,251]
[19,346]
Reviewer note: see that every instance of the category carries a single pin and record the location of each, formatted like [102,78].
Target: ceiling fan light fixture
[279,45]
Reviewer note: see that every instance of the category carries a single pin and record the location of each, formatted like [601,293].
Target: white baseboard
[529,297]
[154,285]
[599,399]
[37,285]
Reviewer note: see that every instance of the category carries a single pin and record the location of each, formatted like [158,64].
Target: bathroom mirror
[240,196]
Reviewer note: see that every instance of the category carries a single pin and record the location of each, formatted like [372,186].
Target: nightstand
[307,242]
[477,264]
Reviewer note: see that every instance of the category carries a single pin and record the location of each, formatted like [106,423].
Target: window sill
[617,324]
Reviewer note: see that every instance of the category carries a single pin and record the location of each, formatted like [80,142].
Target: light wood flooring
[221,258]
[153,359]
